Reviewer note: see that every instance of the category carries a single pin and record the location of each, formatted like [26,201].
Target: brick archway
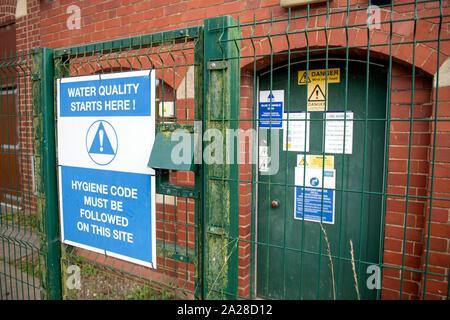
[7,11]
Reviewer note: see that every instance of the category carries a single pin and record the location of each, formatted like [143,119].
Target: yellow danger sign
[316,161]
[317,81]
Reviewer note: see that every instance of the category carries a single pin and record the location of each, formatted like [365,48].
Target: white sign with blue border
[314,194]
[106,129]
[271,106]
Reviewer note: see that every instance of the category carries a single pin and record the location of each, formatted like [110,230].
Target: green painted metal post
[43,67]
[221,179]
[198,127]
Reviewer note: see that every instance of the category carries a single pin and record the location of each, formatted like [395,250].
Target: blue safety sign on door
[314,194]
[271,109]
[314,204]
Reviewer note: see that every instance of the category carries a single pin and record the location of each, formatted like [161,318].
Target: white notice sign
[264,159]
[334,132]
[296,131]
[315,177]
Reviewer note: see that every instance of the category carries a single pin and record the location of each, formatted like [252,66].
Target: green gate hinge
[218,65]
[177,191]
[35,77]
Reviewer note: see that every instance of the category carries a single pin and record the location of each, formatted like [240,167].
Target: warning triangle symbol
[302,162]
[101,143]
[317,94]
[302,78]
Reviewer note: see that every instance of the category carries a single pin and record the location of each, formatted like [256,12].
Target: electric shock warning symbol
[302,78]
[101,142]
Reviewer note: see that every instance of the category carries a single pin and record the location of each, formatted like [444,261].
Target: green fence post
[198,127]
[43,93]
[221,179]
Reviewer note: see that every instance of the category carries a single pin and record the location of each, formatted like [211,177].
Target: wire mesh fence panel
[296,156]
[340,195]
[22,229]
[174,57]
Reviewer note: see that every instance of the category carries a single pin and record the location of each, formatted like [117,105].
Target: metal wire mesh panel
[338,184]
[317,163]
[21,196]
[173,57]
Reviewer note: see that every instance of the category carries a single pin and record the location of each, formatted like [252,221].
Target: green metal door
[304,259]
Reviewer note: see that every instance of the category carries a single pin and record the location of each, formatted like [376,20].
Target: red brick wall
[28,27]
[7,11]
[436,244]
[403,241]
[245,189]
[422,241]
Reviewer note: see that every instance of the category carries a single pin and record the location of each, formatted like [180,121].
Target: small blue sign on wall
[106,190]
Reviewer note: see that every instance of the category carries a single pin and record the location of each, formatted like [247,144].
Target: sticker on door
[317,81]
[314,194]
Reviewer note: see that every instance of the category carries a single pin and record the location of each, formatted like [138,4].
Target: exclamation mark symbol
[101,133]
[317,94]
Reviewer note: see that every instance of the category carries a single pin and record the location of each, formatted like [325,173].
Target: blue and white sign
[312,203]
[271,109]
[106,129]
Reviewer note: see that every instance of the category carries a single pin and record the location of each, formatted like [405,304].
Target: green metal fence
[331,198]
[174,55]
[28,230]
[365,231]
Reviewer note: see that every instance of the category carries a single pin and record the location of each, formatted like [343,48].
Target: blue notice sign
[108,210]
[318,206]
[271,109]
[111,97]
[273,112]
